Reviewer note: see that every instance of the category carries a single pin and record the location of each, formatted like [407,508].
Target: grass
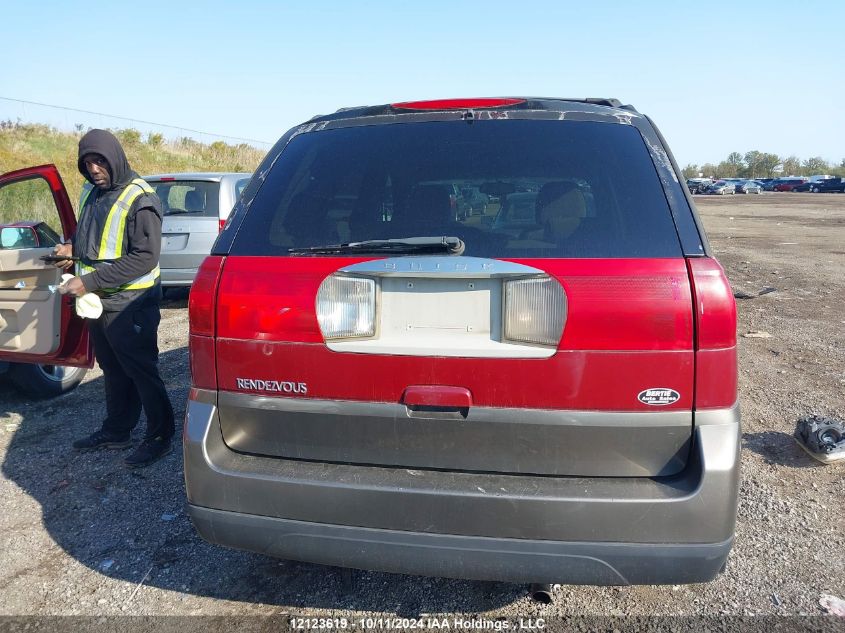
[25,145]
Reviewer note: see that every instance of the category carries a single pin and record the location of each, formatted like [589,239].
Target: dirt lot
[79,534]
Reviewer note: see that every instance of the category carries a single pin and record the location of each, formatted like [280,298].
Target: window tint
[193,198]
[517,188]
[240,186]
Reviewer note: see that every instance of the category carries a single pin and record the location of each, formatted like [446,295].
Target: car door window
[29,201]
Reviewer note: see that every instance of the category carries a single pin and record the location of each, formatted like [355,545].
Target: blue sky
[716,77]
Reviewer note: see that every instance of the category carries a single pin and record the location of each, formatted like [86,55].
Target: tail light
[535,311]
[715,335]
[346,307]
[220,224]
[202,323]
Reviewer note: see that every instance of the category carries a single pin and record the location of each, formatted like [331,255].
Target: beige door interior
[30,315]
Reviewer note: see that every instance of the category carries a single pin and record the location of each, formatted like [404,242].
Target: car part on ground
[822,438]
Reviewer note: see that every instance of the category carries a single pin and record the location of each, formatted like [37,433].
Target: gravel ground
[81,535]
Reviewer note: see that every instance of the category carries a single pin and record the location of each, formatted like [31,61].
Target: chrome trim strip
[440,266]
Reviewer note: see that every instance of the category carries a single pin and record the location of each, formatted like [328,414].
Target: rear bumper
[479,558]
[584,530]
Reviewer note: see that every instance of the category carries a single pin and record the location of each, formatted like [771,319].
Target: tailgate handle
[437,401]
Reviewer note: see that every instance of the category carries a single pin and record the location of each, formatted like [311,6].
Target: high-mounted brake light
[167,179]
[457,104]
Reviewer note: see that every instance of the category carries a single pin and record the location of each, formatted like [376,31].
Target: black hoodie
[142,243]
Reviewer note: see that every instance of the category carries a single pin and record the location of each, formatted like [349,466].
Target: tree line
[756,164]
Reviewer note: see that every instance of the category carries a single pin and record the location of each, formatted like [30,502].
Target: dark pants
[126,347]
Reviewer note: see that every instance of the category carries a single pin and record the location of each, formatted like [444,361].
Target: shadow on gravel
[779,448]
[131,524]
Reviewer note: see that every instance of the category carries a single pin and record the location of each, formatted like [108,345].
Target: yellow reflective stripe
[143,184]
[87,188]
[144,281]
[111,242]
[116,240]
[83,269]
[115,223]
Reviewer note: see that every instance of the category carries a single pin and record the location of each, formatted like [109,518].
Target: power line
[113,116]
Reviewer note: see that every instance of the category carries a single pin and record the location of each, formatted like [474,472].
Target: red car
[380,383]
[788,184]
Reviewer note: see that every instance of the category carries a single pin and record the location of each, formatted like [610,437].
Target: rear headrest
[430,204]
[194,201]
[428,208]
[551,191]
[560,207]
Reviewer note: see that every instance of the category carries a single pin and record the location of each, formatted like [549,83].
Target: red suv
[380,383]
[788,184]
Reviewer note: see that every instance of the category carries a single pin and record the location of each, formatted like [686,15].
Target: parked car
[788,184]
[196,206]
[721,187]
[819,177]
[803,187]
[416,394]
[44,346]
[698,185]
[748,186]
[830,185]
[476,200]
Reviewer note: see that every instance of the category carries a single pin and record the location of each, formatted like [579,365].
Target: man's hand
[73,287]
[63,250]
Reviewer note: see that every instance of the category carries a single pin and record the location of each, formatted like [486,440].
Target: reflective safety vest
[114,232]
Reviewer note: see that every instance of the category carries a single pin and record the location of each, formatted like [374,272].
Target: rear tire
[46,381]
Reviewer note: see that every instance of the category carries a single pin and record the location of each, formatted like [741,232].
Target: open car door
[37,325]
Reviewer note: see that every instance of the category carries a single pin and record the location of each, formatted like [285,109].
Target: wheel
[815,189]
[45,381]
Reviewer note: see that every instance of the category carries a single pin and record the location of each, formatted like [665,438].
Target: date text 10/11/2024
[301,623]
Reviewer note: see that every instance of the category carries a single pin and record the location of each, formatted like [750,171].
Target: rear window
[507,188]
[193,198]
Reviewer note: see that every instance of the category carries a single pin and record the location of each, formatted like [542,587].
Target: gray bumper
[478,558]
[586,530]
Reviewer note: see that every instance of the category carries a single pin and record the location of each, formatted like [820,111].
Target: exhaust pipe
[541,592]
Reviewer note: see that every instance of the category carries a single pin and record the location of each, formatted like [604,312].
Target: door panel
[30,315]
[37,325]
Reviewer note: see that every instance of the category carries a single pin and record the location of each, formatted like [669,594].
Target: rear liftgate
[584,367]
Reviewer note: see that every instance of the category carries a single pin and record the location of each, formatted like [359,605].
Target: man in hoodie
[118,241]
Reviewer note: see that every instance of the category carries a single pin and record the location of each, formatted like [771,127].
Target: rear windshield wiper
[401,246]
[180,212]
